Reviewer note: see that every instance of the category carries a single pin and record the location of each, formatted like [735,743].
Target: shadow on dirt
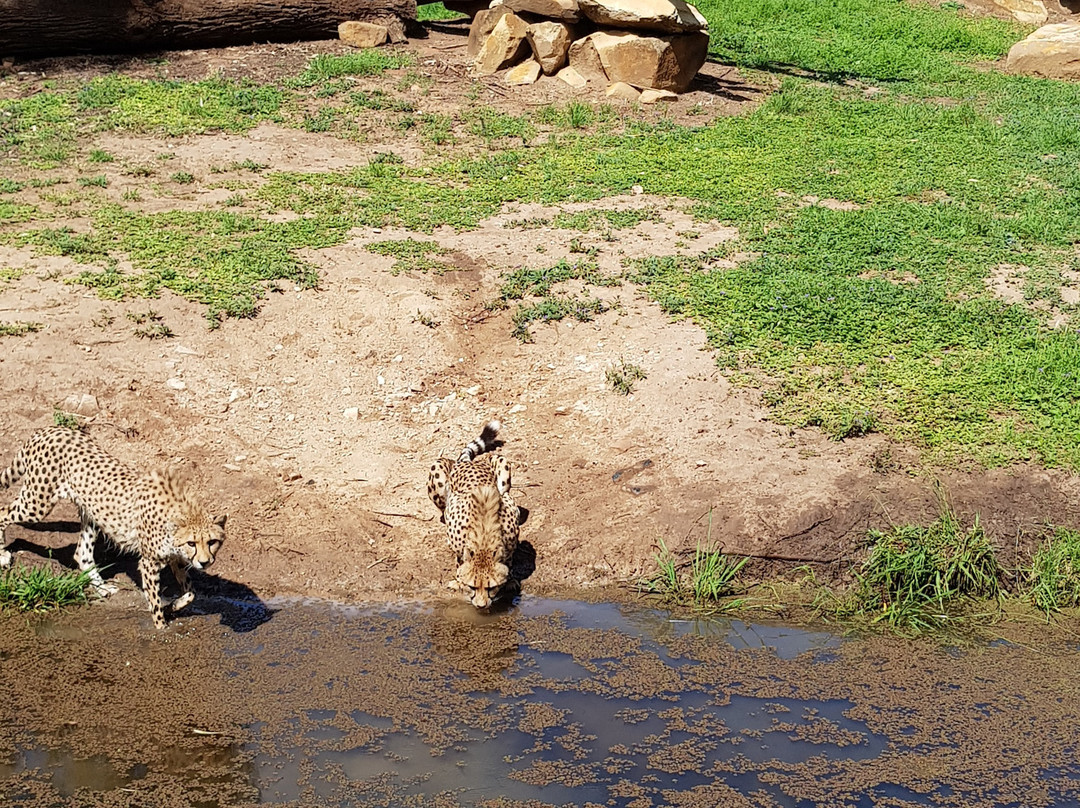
[240,608]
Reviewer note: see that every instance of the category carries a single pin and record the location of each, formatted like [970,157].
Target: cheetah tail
[485,443]
[14,472]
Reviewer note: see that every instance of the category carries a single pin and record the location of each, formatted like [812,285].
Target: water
[548,703]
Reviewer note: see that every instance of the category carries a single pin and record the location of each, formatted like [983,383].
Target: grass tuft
[704,583]
[921,579]
[1053,581]
[20,329]
[623,375]
[39,589]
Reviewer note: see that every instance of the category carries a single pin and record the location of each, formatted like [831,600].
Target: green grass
[41,590]
[1053,580]
[411,255]
[367,62]
[921,579]
[433,12]
[66,419]
[177,108]
[20,329]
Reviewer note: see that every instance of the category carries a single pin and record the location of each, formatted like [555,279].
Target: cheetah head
[483,575]
[199,539]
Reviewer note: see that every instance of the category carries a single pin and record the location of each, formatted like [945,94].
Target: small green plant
[380,100]
[100,156]
[248,165]
[20,329]
[436,128]
[426,319]
[234,201]
[66,419]
[154,331]
[623,375]
[713,574]
[920,579]
[321,121]
[552,309]
[183,178]
[95,182]
[665,582]
[1053,581]
[104,319]
[39,589]
[578,115]
[9,186]
[411,255]
[131,195]
[140,317]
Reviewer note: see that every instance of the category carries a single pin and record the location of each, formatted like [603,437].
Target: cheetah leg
[84,557]
[180,571]
[150,572]
[502,475]
[27,508]
[438,479]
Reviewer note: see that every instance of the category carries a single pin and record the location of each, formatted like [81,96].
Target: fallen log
[34,28]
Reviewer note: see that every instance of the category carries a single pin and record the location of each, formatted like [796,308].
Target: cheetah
[473,495]
[153,515]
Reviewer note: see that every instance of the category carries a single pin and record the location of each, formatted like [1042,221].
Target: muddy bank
[549,703]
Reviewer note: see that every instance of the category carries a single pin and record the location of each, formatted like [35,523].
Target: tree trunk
[31,28]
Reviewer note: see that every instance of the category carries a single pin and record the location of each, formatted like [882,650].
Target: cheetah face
[482,575]
[200,540]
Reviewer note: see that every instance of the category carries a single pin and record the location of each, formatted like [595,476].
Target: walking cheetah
[153,515]
[473,495]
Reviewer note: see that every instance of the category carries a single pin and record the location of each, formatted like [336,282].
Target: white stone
[571,77]
[552,9]
[176,384]
[363,34]
[550,43]
[521,74]
[651,96]
[503,46]
[351,413]
[1030,12]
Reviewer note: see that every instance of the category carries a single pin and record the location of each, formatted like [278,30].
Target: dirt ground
[314,424]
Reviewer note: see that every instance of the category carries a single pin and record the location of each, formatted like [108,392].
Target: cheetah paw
[184,600]
[103,590]
[5,559]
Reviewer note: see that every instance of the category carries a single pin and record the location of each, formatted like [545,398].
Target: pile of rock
[640,49]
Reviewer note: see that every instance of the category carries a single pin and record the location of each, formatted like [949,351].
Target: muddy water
[547,703]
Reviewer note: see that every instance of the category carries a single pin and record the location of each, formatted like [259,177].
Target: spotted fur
[153,515]
[473,495]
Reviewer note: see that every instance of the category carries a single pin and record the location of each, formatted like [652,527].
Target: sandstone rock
[621,89]
[84,404]
[661,63]
[503,46]
[651,96]
[363,34]
[1053,51]
[550,43]
[1032,12]
[571,77]
[525,73]
[668,16]
[566,10]
[586,61]
[481,26]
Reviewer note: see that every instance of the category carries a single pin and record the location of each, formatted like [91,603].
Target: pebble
[351,413]
[176,384]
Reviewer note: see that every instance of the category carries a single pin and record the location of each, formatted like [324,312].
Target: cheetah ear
[220,520]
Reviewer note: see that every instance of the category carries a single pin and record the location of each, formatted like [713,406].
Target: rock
[661,63]
[351,413]
[1032,12]
[651,96]
[550,43]
[668,16]
[552,9]
[84,404]
[176,384]
[586,61]
[503,46]
[481,26]
[1052,51]
[525,73]
[363,34]
[571,77]
[621,89]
